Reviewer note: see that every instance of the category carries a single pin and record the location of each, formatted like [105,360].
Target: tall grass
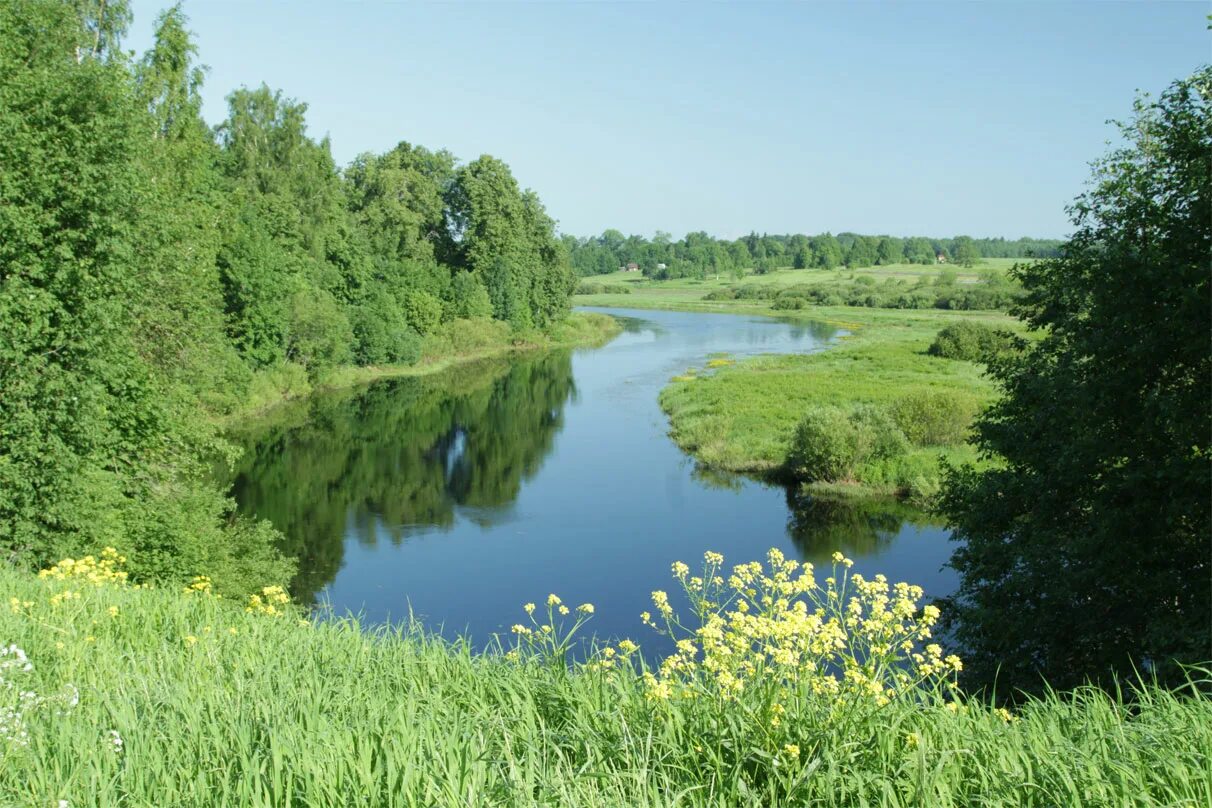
[216,706]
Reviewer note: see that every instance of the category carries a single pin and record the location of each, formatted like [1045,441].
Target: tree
[826,251]
[75,402]
[862,252]
[1084,552]
[802,258]
[506,237]
[965,253]
[919,250]
[890,251]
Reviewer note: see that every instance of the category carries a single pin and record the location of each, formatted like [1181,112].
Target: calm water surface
[460,496]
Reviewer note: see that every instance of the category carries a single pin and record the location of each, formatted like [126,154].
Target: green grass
[690,289]
[331,714]
[742,417]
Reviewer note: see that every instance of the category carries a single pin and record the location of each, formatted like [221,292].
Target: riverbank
[742,416]
[456,343]
[155,697]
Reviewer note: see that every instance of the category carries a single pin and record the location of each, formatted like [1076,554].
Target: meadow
[743,416]
[119,695]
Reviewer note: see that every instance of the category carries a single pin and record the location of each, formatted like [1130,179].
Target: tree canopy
[156,272]
[1084,549]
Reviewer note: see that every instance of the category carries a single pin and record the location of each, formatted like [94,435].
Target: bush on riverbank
[970,341]
[154,697]
[881,446]
[830,443]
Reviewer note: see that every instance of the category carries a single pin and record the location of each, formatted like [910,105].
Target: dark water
[464,495]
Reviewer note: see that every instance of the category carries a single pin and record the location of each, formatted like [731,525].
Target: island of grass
[876,411]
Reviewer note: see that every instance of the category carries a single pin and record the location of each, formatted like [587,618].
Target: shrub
[931,418]
[829,444]
[318,333]
[381,333]
[970,341]
[469,298]
[823,445]
[422,310]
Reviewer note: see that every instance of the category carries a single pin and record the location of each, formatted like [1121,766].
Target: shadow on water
[399,458]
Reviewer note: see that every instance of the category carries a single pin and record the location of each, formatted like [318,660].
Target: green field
[156,697]
[741,417]
[685,290]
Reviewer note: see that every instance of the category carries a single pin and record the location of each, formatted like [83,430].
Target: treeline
[992,290]
[699,255]
[154,271]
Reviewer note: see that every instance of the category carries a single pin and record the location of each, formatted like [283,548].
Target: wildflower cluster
[201,585]
[106,569]
[549,639]
[776,627]
[271,600]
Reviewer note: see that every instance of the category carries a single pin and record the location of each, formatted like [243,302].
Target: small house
[632,267]
[942,259]
[660,266]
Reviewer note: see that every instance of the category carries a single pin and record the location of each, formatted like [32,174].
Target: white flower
[116,740]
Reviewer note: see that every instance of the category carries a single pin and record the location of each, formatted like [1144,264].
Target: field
[119,695]
[742,417]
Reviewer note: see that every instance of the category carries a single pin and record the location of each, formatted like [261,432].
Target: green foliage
[1084,552]
[506,238]
[422,311]
[381,331]
[862,252]
[830,444]
[972,342]
[890,251]
[469,298]
[934,418]
[990,292]
[965,252]
[155,274]
[317,333]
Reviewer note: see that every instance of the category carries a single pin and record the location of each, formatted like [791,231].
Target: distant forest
[699,255]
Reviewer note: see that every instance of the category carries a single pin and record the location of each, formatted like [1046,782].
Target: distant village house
[632,267]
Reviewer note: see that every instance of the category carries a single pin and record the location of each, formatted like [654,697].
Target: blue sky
[908,118]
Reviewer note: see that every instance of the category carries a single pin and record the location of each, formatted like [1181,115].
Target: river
[460,496]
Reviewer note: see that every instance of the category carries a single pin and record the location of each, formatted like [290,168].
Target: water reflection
[819,525]
[458,497]
[400,457]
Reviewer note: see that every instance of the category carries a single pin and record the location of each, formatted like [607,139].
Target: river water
[458,497]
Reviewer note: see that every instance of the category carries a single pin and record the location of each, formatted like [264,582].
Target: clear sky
[909,118]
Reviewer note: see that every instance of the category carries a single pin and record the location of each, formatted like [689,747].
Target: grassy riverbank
[458,342]
[154,697]
[742,416]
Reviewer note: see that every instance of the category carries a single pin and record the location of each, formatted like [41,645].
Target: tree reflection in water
[819,525]
[399,457]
